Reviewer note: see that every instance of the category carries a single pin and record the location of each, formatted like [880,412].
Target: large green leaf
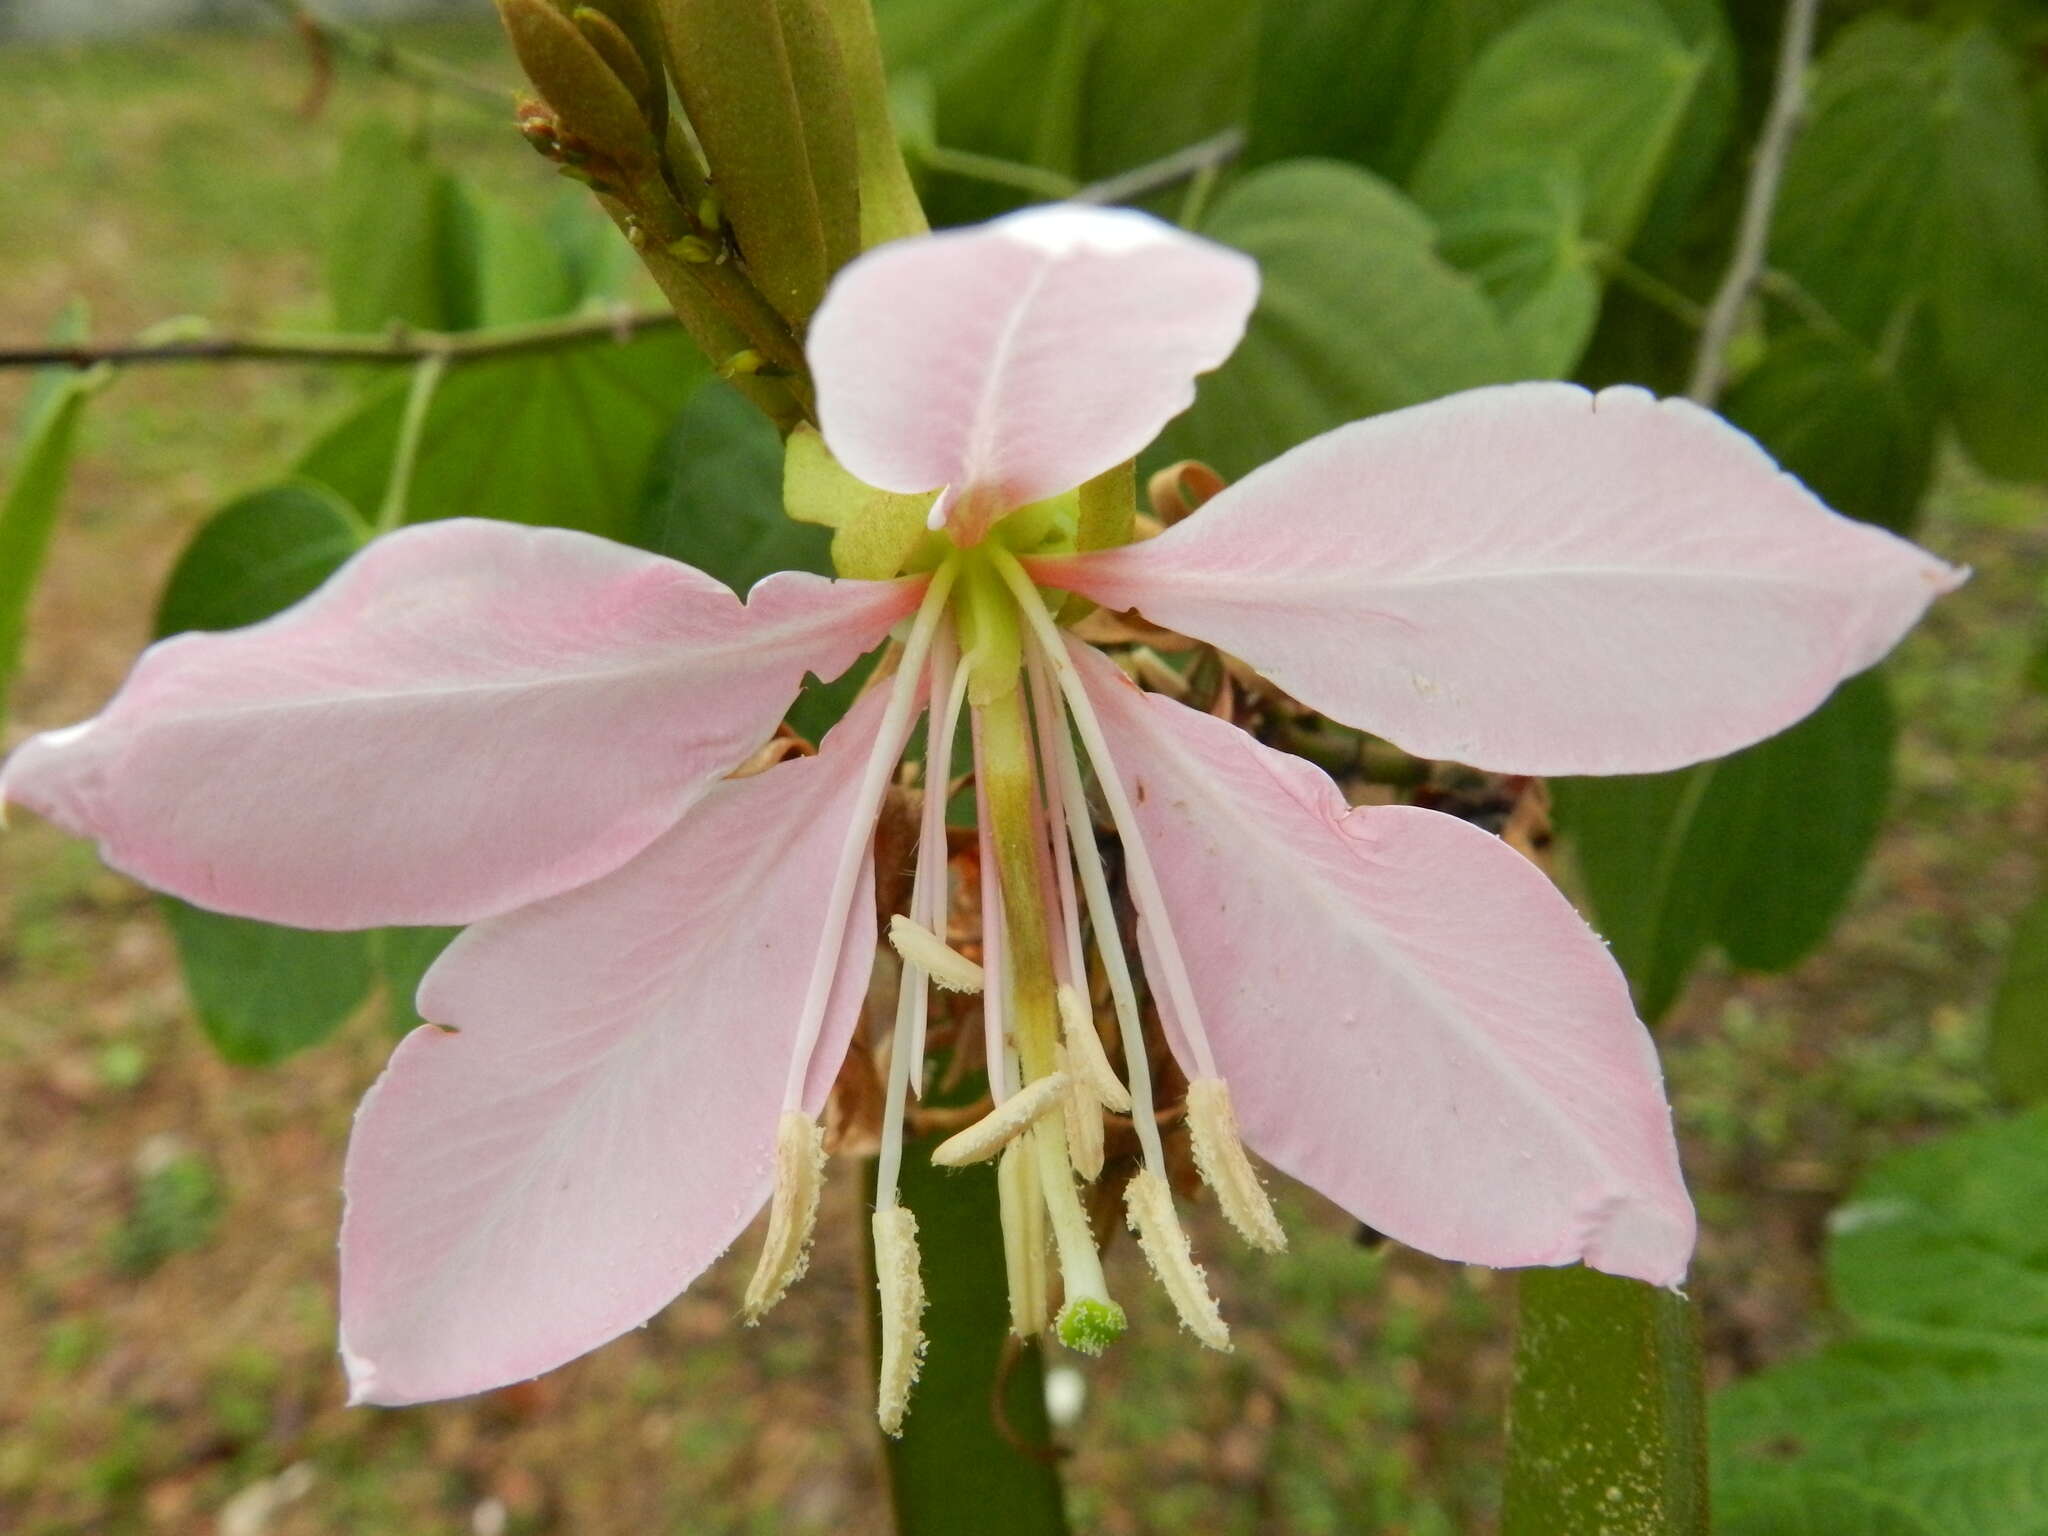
[715,497]
[1605,1425]
[1834,416]
[1005,80]
[35,489]
[2019,1012]
[1520,232]
[258,555]
[394,252]
[1935,1419]
[1357,314]
[561,438]
[1918,183]
[263,992]
[1991,293]
[1161,77]
[1602,88]
[1756,852]
[1364,81]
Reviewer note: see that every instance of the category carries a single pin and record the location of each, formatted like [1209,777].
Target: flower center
[984,642]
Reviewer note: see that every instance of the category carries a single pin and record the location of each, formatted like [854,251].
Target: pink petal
[1016,359]
[468,716]
[1532,579]
[1410,1017]
[603,1125]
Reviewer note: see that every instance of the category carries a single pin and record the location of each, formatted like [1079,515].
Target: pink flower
[528,731]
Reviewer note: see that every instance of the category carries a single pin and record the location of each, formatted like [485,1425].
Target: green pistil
[1090,1326]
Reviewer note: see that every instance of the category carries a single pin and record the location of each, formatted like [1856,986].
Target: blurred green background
[167,1219]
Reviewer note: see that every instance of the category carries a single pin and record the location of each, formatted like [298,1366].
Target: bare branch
[399,345]
[327,36]
[1753,234]
[1204,155]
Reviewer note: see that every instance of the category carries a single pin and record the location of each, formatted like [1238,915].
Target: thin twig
[400,345]
[1202,156]
[381,54]
[1035,180]
[1753,234]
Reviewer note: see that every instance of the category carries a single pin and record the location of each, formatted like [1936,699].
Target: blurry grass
[166,1337]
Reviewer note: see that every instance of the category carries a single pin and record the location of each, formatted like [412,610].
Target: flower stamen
[1022,1209]
[925,951]
[889,740]
[1148,1207]
[792,1213]
[1003,1124]
[1085,1055]
[901,1285]
[1219,1154]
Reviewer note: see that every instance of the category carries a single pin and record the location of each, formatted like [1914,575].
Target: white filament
[1137,861]
[874,783]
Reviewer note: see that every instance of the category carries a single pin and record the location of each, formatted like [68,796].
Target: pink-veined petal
[602,1124]
[1016,359]
[1532,579]
[469,716]
[1410,1017]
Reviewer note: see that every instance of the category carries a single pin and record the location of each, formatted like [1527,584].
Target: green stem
[1607,1423]
[976,1451]
[419,401]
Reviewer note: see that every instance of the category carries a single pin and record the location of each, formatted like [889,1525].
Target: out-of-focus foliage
[28,511]
[1931,1417]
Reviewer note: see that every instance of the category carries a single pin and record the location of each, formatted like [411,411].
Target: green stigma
[1089,1325]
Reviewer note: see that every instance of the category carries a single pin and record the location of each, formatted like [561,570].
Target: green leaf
[562,438]
[263,992]
[516,272]
[1944,1243]
[2018,1047]
[1599,87]
[392,251]
[1365,82]
[715,497]
[257,556]
[1606,1426]
[1918,182]
[1934,1419]
[28,512]
[1820,797]
[955,1468]
[1520,232]
[1161,77]
[1833,416]
[403,956]
[1991,297]
[1357,314]
[1870,1439]
[1756,852]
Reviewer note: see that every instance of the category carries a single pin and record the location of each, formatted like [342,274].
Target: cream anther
[799,1178]
[1148,1207]
[920,947]
[1085,1056]
[1219,1154]
[1083,1116]
[901,1284]
[1003,1124]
